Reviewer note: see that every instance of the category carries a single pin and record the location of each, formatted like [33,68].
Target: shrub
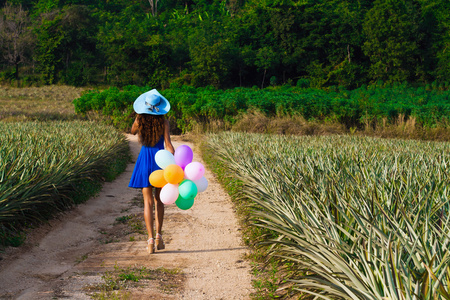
[364,107]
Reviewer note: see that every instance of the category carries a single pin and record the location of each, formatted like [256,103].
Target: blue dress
[145,165]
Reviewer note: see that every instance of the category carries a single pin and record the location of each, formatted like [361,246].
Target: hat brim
[140,107]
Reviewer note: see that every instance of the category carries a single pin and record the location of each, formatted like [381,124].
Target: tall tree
[441,38]
[135,49]
[212,50]
[392,39]
[16,39]
[65,40]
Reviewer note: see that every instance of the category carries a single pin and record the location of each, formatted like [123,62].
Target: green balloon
[183,203]
[188,189]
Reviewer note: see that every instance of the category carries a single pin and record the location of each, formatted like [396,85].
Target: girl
[153,131]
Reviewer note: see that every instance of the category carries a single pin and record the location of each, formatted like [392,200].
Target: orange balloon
[173,174]
[157,179]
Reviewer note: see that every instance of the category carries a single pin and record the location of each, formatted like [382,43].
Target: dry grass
[32,103]
[257,122]
[407,129]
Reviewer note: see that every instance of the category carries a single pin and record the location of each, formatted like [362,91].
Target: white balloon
[164,158]
[169,193]
[201,184]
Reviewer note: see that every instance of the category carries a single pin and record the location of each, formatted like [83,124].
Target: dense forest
[225,44]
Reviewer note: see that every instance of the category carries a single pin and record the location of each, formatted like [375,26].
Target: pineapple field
[49,166]
[351,217]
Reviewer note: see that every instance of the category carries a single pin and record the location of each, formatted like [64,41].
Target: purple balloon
[183,155]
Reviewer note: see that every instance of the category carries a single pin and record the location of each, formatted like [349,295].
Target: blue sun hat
[152,103]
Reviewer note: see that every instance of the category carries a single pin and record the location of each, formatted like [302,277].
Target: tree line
[225,44]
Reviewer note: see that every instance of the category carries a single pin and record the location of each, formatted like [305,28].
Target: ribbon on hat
[152,107]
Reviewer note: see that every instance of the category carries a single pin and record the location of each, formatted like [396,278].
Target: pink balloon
[183,155]
[194,171]
[169,193]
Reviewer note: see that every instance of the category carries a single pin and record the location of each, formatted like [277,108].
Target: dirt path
[67,257]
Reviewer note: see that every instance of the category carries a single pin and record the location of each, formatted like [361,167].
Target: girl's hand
[135,127]
[167,141]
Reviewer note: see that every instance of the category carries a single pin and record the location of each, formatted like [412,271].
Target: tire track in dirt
[63,258]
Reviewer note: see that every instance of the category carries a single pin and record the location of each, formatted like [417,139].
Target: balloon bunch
[180,179]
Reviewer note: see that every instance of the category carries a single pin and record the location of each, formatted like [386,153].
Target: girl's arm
[135,127]
[167,141]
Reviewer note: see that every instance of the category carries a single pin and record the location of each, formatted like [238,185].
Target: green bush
[362,107]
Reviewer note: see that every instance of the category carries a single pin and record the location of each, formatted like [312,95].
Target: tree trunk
[17,72]
[240,76]
[348,53]
[153,6]
[264,78]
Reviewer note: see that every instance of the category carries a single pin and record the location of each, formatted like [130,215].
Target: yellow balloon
[157,179]
[173,174]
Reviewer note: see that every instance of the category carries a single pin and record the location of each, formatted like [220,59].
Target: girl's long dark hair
[151,128]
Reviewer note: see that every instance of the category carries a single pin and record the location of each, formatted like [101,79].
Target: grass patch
[82,258]
[118,283]
[138,201]
[123,226]
[123,219]
[134,223]
[11,237]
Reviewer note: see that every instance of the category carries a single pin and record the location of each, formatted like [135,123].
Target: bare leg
[159,211]
[159,206]
[148,215]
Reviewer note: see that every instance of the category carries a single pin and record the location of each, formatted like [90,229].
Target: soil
[75,255]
